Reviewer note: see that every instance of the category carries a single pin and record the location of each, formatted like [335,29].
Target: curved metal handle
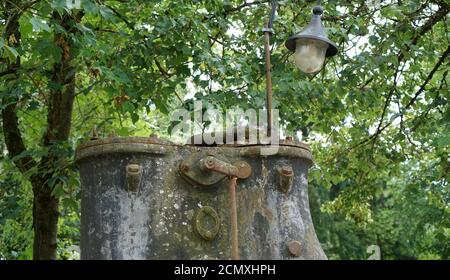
[240,169]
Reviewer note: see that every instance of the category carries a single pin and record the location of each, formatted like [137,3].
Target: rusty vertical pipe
[234,223]
[267,32]
[268,81]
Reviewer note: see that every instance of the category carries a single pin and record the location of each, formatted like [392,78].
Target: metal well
[144,198]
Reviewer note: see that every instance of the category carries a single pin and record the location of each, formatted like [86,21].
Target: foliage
[377,116]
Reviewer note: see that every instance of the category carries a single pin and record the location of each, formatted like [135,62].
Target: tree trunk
[45,220]
[59,121]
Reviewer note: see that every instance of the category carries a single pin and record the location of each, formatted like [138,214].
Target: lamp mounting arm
[269,26]
[267,32]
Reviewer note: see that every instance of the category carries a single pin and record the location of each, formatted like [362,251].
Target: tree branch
[235,9]
[60,107]
[10,70]
[387,102]
[421,89]
[435,18]
[429,77]
[13,137]
[119,15]
[161,69]
[425,28]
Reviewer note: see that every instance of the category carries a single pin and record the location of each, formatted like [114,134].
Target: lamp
[311,45]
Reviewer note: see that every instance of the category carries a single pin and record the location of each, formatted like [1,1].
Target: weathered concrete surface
[159,220]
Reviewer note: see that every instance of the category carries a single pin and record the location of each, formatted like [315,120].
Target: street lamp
[311,46]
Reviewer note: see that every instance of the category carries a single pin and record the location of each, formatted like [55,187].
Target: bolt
[294,248]
[286,170]
[184,167]
[209,163]
[94,133]
[133,168]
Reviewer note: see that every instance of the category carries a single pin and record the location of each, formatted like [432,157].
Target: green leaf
[161,106]
[107,14]
[58,190]
[61,6]
[123,131]
[39,24]
[134,117]
[443,141]
[11,53]
[70,203]
[90,7]
[128,107]
[26,28]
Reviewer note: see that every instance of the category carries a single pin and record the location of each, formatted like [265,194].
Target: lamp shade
[314,31]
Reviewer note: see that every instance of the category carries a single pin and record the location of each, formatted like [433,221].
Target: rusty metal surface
[233,219]
[150,145]
[159,220]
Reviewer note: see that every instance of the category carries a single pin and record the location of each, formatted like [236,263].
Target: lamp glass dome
[310,54]
[311,45]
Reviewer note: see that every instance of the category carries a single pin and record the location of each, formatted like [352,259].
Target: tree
[60,99]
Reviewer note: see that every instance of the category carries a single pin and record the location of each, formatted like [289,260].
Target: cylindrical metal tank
[144,198]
